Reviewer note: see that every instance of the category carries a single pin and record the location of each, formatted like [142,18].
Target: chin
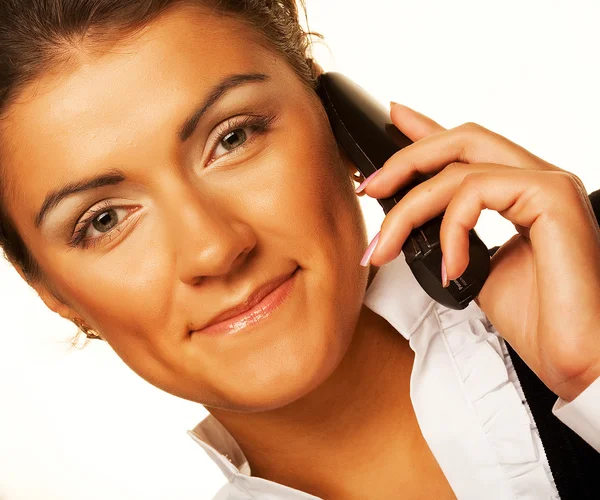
[283,381]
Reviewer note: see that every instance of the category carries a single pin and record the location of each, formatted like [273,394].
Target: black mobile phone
[363,128]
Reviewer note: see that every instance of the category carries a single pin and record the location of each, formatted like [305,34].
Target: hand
[543,291]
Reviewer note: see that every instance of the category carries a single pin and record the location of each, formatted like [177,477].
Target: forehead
[65,122]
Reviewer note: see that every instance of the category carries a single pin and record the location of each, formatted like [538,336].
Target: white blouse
[467,399]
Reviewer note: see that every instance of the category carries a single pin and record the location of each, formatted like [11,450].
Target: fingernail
[364,183]
[393,103]
[444,274]
[367,256]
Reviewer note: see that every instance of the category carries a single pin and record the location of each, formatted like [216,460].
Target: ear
[54,303]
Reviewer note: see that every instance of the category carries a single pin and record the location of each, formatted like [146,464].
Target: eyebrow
[55,197]
[216,93]
[115,176]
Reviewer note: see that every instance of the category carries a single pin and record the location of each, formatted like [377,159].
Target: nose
[209,239]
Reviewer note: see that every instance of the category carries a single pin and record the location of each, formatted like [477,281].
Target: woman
[166,165]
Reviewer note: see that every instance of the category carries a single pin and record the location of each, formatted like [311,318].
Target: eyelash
[259,124]
[78,239]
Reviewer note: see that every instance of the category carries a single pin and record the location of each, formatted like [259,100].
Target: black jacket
[575,465]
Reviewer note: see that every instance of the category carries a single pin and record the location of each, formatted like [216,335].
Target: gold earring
[89,333]
[358,177]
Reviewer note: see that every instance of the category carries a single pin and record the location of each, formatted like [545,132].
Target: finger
[469,143]
[565,244]
[539,200]
[502,190]
[422,203]
[564,239]
[413,124]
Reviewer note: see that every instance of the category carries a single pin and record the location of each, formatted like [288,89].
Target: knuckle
[454,168]
[578,183]
[569,181]
[545,165]
[562,186]
[471,179]
[472,128]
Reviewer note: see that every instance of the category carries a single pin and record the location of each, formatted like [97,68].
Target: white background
[78,424]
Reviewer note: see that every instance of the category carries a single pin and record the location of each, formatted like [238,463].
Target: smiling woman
[171,184]
[153,149]
[195,163]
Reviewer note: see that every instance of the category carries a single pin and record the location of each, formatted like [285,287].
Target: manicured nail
[364,183]
[444,274]
[367,256]
[393,103]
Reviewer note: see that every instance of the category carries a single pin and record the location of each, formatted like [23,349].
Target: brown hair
[37,35]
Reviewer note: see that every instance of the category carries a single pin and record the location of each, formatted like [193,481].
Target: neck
[360,420]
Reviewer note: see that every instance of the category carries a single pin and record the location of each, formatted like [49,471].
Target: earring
[89,333]
[358,177]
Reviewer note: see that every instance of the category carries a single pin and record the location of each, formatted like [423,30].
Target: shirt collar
[394,294]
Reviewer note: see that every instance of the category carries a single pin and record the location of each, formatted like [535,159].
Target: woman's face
[175,230]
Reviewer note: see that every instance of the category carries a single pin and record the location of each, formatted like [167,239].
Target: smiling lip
[257,307]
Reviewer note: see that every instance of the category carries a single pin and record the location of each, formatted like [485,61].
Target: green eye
[234,139]
[105,221]
[238,133]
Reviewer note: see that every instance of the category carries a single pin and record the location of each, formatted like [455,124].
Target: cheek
[301,203]
[126,294]
[132,301]
[301,196]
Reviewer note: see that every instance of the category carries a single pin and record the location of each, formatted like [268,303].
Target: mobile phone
[363,128]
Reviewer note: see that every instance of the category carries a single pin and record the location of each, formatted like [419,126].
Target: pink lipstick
[258,307]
